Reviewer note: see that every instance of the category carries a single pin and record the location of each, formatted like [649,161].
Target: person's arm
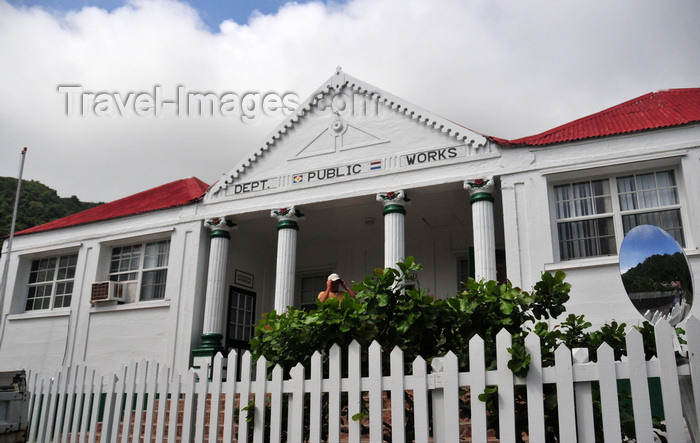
[348,288]
[323,296]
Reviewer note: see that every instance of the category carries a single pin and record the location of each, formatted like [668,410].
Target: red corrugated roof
[177,193]
[661,109]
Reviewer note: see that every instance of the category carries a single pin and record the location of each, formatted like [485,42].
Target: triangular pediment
[348,127]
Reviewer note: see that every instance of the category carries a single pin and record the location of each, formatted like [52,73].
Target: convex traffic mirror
[656,274]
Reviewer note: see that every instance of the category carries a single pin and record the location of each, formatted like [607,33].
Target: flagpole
[3,281]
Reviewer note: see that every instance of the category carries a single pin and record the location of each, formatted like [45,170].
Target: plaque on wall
[243,279]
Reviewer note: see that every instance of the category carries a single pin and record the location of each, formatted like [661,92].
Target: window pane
[669,221]
[581,190]
[645,181]
[39,297]
[42,270]
[63,294]
[66,267]
[600,187]
[587,238]
[647,199]
[153,284]
[602,205]
[627,202]
[156,254]
[665,179]
[625,184]
[668,196]
[582,199]
[649,190]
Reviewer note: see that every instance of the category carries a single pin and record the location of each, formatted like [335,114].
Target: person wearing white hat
[333,285]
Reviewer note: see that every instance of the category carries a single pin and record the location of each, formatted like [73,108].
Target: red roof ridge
[664,108]
[177,193]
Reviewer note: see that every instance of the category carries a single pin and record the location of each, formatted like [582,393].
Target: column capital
[287,217]
[480,189]
[393,201]
[220,226]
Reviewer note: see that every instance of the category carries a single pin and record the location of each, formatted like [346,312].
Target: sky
[502,68]
[644,241]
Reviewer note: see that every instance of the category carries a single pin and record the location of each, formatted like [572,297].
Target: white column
[394,231]
[215,298]
[287,228]
[481,199]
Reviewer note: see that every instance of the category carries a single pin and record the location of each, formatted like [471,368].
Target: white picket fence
[145,401]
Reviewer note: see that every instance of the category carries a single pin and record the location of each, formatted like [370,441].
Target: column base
[211,344]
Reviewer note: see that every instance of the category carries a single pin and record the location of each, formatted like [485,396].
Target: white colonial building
[355,179]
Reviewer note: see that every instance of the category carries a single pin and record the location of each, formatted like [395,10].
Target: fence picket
[354,390]
[477,371]
[151,393]
[65,406]
[81,433]
[118,401]
[692,398]
[565,395]
[451,390]
[35,406]
[506,388]
[334,389]
[244,398]
[57,422]
[201,392]
[276,406]
[398,391]
[608,393]
[75,401]
[216,378]
[174,390]
[187,388]
[535,392]
[94,416]
[419,384]
[583,394]
[315,391]
[296,405]
[375,393]
[230,393]
[664,334]
[52,402]
[640,387]
[106,430]
[130,389]
[139,394]
[259,390]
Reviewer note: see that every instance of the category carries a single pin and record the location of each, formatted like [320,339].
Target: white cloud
[501,68]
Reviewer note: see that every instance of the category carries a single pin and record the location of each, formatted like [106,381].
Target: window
[51,282]
[145,264]
[465,268]
[311,285]
[241,318]
[592,216]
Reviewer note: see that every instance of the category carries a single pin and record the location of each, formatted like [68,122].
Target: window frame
[137,295]
[612,174]
[55,282]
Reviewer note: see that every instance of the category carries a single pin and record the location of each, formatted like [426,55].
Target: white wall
[597,289]
[106,333]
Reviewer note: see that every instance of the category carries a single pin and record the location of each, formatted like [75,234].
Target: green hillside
[37,204]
